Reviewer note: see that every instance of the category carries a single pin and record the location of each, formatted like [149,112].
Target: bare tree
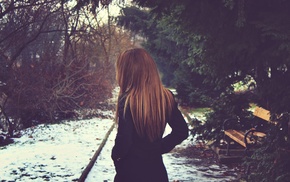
[54,62]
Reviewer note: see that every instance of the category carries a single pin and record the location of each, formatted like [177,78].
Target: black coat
[138,160]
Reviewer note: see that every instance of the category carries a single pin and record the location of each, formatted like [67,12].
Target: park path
[180,164]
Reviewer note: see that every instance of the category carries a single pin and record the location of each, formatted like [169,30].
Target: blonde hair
[150,102]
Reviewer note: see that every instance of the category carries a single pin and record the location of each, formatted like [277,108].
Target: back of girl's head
[135,70]
[150,103]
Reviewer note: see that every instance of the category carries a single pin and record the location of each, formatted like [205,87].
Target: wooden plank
[237,136]
[262,113]
[259,134]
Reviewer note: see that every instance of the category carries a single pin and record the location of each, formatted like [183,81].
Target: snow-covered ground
[60,152]
[54,152]
[179,169]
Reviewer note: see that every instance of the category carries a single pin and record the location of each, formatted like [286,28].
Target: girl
[144,108]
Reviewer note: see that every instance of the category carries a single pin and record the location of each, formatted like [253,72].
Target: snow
[56,152]
[60,152]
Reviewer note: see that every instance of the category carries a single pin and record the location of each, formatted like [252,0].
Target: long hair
[150,102]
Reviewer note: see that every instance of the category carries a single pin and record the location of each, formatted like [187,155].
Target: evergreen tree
[229,42]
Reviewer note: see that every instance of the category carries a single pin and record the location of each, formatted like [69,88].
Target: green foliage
[164,50]
[135,20]
[91,4]
[173,54]
[227,105]
[229,41]
[271,161]
[225,42]
[192,89]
